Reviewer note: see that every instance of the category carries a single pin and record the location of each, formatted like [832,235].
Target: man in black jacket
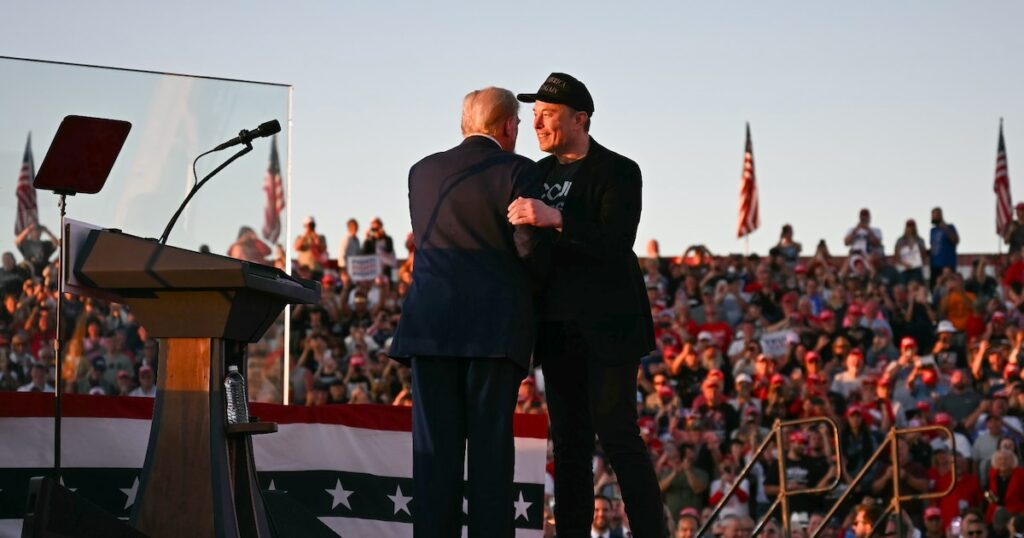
[595,318]
[467,324]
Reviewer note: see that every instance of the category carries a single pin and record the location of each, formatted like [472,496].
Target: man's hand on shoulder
[534,212]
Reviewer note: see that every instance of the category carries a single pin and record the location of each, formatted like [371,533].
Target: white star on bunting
[340,496]
[130,493]
[401,501]
[521,507]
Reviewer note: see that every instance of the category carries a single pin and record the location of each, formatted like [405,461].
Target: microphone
[244,137]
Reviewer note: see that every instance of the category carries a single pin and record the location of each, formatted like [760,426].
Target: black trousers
[462,403]
[585,398]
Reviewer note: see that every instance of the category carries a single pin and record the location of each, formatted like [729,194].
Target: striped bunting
[349,465]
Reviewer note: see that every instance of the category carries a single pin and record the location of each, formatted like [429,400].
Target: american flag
[1002,187]
[750,215]
[28,211]
[274,188]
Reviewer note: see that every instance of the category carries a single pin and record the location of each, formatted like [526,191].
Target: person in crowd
[312,249]
[973,524]
[601,524]
[36,250]
[739,503]
[682,482]
[944,240]
[862,238]
[378,242]
[1013,235]
[249,247]
[802,471]
[787,247]
[37,379]
[911,254]
[350,245]
[12,276]
[864,520]
[688,524]
[147,383]
[1005,484]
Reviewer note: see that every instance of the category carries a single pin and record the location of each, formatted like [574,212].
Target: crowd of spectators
[873,338]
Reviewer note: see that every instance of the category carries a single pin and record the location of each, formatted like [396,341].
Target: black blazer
[595,272]
[471,292]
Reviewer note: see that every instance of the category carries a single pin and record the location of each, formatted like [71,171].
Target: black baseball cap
[562,89]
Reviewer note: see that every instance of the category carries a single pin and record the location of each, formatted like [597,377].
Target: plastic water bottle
[236,397]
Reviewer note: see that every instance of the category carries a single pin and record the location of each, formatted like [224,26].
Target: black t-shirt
[559,182]
[1016,236]
[803,473]
[12,281]
[37,253]
[556,189]
[859,336]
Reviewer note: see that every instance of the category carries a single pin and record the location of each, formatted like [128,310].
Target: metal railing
[783,496]
[892,443]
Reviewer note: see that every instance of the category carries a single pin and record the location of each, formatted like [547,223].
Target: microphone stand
[199,184]
[58,341]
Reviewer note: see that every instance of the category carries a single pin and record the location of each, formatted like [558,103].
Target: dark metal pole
[58,345]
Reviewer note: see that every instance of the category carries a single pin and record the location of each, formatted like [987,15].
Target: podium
[199,478]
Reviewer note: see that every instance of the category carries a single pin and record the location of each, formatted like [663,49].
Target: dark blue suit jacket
[471,294]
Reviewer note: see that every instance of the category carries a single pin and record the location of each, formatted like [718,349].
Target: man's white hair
[484,111]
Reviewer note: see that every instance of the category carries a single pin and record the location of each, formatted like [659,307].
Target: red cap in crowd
[777,379]
[929,377]
[357,360]
[943,419]
[812,356]
[924,407]
[798,437]
[689,512]
[855,310]
[932,511]
[997,315]
[826,315]
[665,391]
[908,341]
[854,410]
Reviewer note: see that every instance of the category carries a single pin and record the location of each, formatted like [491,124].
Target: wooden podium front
[199,479]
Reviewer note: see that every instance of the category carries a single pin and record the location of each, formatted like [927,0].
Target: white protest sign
[773,344]
[363,268]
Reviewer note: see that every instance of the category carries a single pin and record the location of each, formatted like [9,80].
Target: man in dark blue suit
[467,324]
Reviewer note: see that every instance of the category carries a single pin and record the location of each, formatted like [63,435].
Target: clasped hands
[534,213]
